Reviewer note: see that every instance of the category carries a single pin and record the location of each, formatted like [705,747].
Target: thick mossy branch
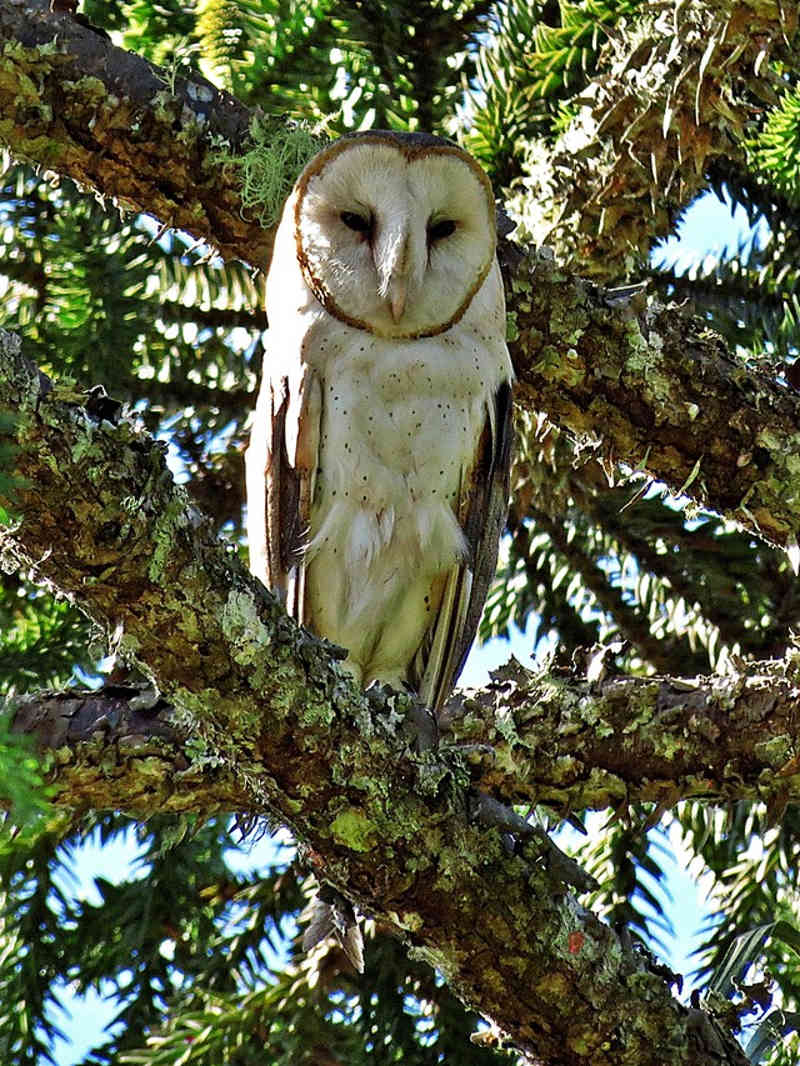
[539,738]
[100,520]
[118,748]
[573,744]
[660,392]
[73,103]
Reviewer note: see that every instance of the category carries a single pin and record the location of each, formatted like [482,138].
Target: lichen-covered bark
[665,102]
[100,520]
[118,748]
[525,738]
[573,744]
[654,385]
[72,102]
[661,392]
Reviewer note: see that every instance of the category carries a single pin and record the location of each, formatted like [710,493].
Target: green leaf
[746,948]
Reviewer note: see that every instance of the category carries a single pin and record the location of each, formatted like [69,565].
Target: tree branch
[573,744]
[662,394]
[101,521]
[72,102]
[664,105]
[526,737]
[119,749]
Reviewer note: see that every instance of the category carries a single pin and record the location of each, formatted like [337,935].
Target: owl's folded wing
[281,465]
[482,507]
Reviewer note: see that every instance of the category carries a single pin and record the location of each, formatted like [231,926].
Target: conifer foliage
[600,122]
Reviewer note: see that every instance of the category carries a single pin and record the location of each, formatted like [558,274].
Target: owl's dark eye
[356,222]
[443,228]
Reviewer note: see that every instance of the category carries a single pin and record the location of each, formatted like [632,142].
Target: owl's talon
[530,842]
[486,810]
[423,721]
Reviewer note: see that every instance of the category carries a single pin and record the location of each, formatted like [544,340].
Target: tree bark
[73,103]
[404,836]
[118,748]
[660,393]
[532,738]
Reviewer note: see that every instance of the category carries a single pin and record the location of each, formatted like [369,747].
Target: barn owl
[377,472]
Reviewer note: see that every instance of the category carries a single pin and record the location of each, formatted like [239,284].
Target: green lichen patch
[167,526]
[270,168]
[40,149]
[88,90]
[354,830]
[776,751]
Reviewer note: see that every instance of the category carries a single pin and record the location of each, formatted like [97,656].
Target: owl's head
[394,232]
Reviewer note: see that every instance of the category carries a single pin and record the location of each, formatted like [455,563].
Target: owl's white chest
[398,431]
[399,424]
[399,421]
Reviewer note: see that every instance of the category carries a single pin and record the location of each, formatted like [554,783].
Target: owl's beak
[393,262]
[398,290]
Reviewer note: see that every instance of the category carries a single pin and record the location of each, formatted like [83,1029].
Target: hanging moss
[271,167]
